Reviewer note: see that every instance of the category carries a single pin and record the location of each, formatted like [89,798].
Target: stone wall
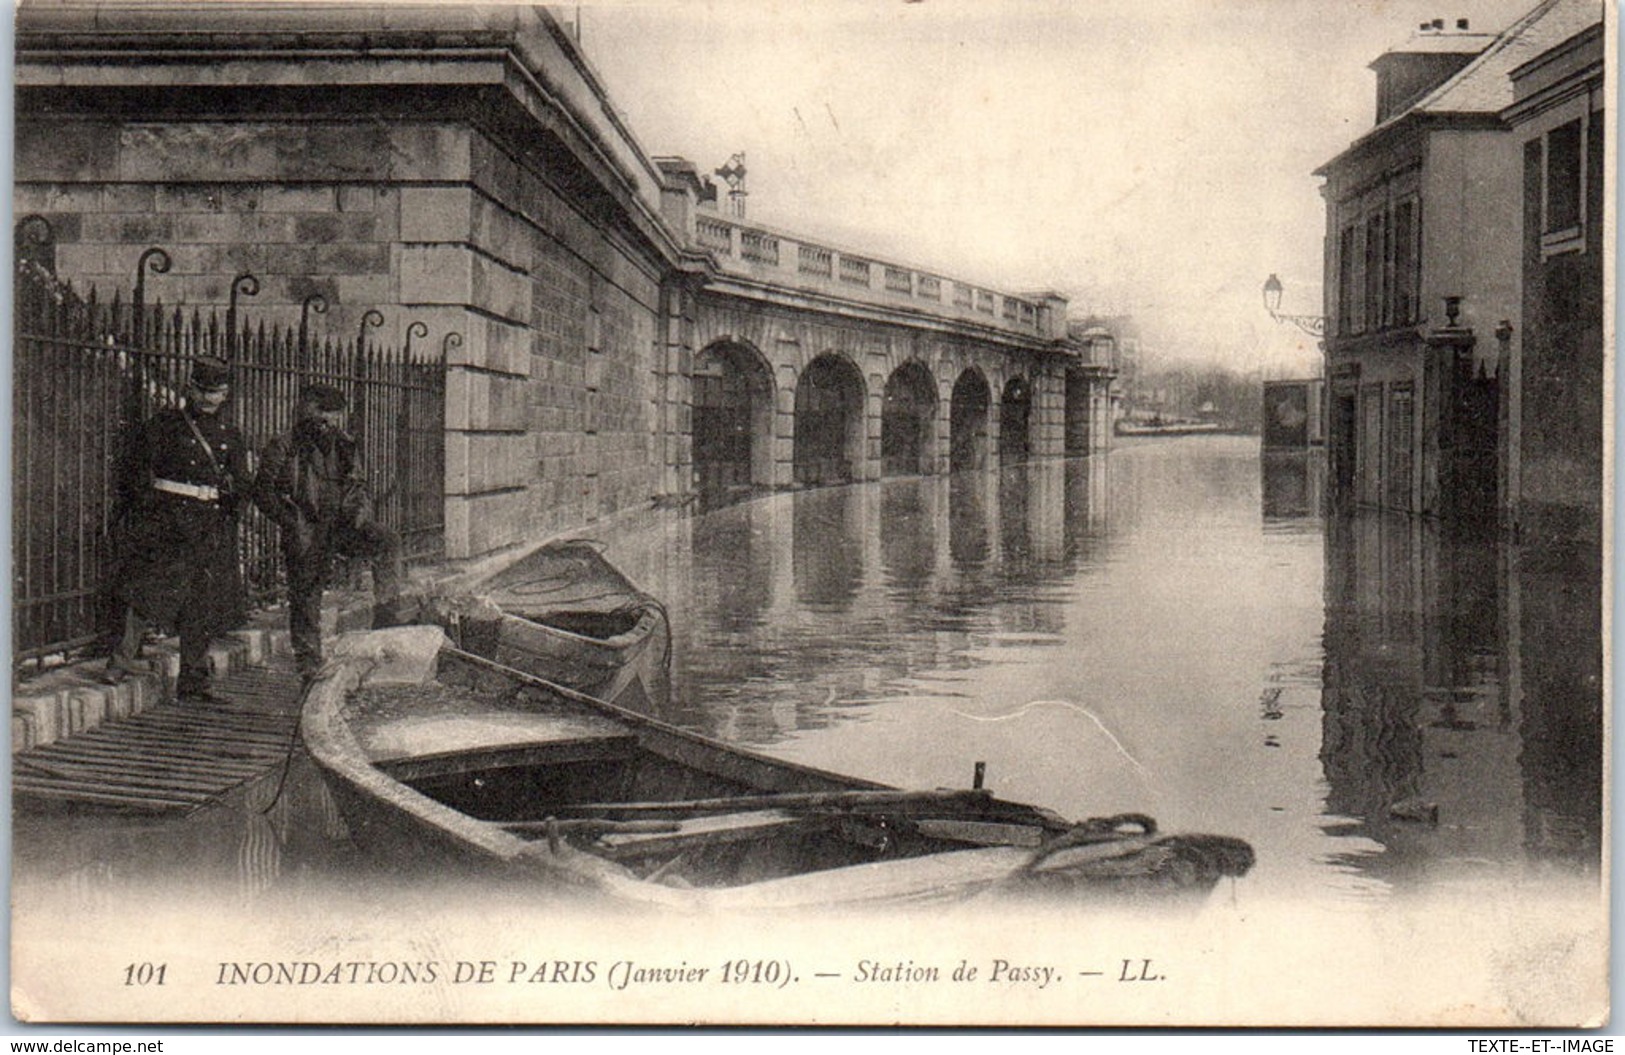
[552,393]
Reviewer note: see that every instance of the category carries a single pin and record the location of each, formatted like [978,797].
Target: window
[1377,272]
[1401,444]
[1373,272]
[1345,281]
[1405,273]
[1564,167]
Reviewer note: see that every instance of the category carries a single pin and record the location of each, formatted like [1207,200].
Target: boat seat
[710,831]
[442,745]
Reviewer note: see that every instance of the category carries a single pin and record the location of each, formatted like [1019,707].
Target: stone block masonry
[549,410]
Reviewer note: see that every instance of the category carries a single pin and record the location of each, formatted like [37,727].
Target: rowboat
[432,750]
[567,613]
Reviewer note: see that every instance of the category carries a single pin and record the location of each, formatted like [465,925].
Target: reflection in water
[1294,486]
[1555,670]
[828,546]
[1432,738]
[968,503]
[908,535]
[1108,634]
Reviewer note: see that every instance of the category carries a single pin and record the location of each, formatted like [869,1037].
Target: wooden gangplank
[170,758]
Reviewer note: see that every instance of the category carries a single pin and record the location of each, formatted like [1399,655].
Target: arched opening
[907,418]
[967,422]
[733,422]
[1015,417]
[829,422]
[1078,391]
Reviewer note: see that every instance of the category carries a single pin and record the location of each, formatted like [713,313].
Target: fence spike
[417,328]
[247,285]
[33,230]
[158,261]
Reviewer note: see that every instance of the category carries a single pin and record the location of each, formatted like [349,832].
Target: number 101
[145,974]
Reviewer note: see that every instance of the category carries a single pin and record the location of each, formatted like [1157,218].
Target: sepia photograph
[1020,513]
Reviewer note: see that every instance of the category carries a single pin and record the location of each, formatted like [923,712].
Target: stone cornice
[324,46]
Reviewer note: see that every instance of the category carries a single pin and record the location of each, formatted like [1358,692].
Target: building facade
[1558,129]
[1423,291]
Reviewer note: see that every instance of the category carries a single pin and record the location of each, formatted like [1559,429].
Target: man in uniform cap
[312,485]
[179,487]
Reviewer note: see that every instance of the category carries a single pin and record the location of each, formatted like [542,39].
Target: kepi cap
[323,397]
[209,373]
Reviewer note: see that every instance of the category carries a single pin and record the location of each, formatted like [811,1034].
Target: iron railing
[86,373]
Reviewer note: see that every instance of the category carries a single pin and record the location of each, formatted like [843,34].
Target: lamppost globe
[1272,294]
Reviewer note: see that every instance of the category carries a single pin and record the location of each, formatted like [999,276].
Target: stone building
[1558,121]
[1423,297]
[1558,423]
[463,167]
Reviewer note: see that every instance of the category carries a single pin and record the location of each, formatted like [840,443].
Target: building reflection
[804,608]
[1085,514]
[1450,684]
[1293,487]
[1555,612]
[828,546]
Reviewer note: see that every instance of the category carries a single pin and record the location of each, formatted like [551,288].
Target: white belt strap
[201,492]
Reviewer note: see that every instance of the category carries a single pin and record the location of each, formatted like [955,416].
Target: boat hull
[437,754]
[566,614]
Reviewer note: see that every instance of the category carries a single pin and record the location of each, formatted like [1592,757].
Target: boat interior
[547,769]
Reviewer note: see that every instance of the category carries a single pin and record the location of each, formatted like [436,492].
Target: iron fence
[87,373]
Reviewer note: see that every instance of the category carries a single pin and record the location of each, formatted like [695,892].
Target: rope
[306,683]
[1093,830]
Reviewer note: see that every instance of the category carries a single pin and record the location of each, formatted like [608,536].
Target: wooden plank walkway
[170,758]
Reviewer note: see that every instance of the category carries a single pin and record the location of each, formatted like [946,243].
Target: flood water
[1169,628]
[1174,628]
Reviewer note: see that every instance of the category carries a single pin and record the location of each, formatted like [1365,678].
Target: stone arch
[908,414]
[967,421]
[1015,420]
[829,421]
[732,425]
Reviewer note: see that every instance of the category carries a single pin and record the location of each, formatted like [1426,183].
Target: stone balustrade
[784,260]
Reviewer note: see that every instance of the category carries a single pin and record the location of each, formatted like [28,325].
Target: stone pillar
[874,405]
[1047,428]
[784,428]
[455,271]
[1100,414]
[942,425]
[674,418]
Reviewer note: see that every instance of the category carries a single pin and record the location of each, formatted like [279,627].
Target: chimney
[1407,72]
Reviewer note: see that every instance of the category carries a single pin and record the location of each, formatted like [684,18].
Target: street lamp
[1313,325]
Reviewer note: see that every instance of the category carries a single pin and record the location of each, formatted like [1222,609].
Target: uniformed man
[178,489]
[312,485]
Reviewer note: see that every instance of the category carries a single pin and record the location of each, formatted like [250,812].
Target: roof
[1441,44]
[1484,85]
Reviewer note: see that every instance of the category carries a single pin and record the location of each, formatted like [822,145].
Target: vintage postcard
[923,512]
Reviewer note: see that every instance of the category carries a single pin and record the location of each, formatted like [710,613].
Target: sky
[1147,157]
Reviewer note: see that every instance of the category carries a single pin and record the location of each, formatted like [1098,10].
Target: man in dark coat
[311,484]
[179,488]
